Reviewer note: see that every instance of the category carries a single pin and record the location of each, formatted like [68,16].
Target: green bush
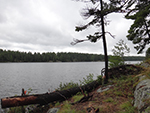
[115,61]
[67,85]
[99,78]
[88,79]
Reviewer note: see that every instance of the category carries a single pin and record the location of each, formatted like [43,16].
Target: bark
[46,98]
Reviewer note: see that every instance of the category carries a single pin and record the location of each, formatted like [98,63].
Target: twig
[82,92]
[23,110]
[61,95]
[110,34]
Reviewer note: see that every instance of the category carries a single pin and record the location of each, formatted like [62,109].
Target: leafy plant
[99,79]
[119,50]
[29,90]
[88,79]
[67,85]
[57,104]
[115,61]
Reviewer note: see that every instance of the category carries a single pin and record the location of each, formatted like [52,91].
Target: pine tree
[139,32]
[99,10]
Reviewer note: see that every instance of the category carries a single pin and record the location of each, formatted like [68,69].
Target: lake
[43,77]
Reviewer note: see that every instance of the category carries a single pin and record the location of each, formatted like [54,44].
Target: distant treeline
[16,56]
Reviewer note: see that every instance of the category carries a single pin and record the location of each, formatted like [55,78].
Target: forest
[16,56]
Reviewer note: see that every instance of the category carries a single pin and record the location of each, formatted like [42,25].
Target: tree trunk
[104,44]
[47,97]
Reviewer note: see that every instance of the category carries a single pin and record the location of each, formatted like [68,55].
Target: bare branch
[110,34]
[78,41]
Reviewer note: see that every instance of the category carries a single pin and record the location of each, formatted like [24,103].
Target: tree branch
[110,34]
[78,41]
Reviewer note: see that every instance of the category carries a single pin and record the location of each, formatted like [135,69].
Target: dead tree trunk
[47,97]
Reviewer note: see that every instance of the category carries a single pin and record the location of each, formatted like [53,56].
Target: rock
[145,65]
[30,108]
[142,78]
[141,93]
[53,110]
[105,88]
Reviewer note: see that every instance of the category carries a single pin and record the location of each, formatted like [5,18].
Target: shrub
[88,79]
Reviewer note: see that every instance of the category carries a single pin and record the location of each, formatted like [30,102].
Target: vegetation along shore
[16,56]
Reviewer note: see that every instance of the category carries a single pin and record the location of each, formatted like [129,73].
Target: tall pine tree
[98,11]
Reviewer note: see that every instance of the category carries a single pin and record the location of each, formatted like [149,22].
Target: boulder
[142,94]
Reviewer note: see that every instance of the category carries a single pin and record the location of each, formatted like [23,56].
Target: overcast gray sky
[49,26]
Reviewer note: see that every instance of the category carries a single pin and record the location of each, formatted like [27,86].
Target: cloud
[49,26]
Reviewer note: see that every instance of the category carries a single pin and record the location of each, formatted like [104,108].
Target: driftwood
[65,94]
[46,98]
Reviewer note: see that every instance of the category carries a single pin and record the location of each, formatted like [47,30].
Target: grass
[67,108]
[77,98]
[109,100]
[117,99]
[127,107]
[15,110]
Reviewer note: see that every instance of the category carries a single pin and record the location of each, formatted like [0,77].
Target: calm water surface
[43,77]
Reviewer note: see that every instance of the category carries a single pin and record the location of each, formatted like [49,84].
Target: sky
[49,26]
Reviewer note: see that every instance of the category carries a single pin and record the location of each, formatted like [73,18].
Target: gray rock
[53,110]
[102,89]
[142,78]
[145,65]
[141,93]
[30,108]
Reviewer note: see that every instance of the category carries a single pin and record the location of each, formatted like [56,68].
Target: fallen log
[46,98]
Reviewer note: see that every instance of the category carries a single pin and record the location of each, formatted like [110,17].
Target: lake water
[43,77]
